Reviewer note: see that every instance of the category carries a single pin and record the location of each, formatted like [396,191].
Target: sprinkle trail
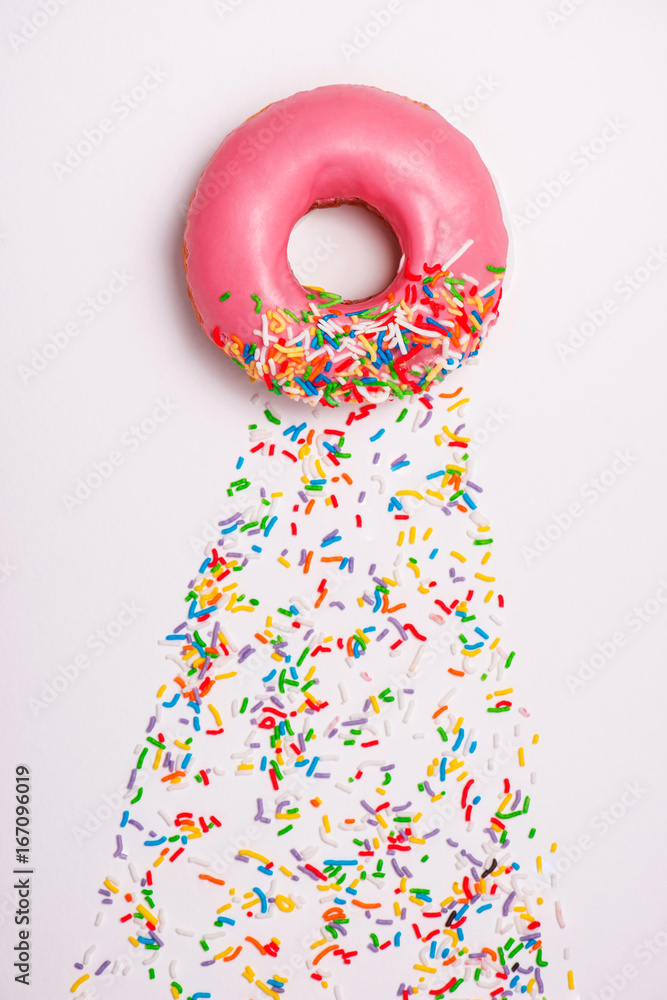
[338,768]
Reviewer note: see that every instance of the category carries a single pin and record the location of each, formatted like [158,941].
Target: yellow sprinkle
[554,848]
[266,989]
[248,974]
[487,579]
[284,561]
[455,437]
[419,902]
[409,493]
[223,908]
[401,538]
[158,861]
[318,943]
[570,979]
[459,723]
[486,557]
[223,953]
[110,885]
[412,535]
[74,987]
[161,690]
[458,403]
[246,767]
[224,677]
[428,533]
[146,914]
[156,762]
[374,702]
[432,493]
[215,713]
[522,762]
[457,555]
[133,941]
[539,863]
[424,968]
[536,738]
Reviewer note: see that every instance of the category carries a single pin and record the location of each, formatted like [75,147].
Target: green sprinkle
[204,945]
[270,416]
[244,705]
[495,270]
[285,829]
[532,834]
[509,660]
[225,295]
[401,415]
[258,303]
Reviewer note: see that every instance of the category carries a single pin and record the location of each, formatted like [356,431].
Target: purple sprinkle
[508,903]
[399,628]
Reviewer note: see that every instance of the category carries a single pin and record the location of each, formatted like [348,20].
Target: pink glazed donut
[337,145]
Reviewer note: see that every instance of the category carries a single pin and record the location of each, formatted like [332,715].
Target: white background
[552,81]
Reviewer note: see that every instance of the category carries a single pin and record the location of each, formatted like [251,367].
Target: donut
[346,144]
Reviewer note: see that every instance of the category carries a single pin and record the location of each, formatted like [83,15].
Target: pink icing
[335,143]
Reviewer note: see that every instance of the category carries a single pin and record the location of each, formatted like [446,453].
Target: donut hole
[346,248]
